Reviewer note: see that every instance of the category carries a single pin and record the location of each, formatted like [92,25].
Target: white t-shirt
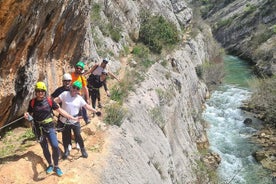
[99,70]
[71,105]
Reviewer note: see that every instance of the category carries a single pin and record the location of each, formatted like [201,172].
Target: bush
[211,73]
[157,32]
[141,51]
[114,114]
[115,32]
[263,99]
[95,13]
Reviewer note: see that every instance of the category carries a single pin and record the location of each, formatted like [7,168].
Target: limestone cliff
[156,142]
[246,29]
[38,40]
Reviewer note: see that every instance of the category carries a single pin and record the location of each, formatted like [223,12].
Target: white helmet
[106,60]
[67,76]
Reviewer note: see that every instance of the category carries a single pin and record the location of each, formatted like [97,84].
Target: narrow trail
[28,165]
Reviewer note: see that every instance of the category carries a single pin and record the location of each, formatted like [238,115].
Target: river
[227,134]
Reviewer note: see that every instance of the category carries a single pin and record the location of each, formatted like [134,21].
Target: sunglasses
[78,68]
[75,87]
[39,90]
[66,80]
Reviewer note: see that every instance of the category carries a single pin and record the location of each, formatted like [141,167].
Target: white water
[228,136]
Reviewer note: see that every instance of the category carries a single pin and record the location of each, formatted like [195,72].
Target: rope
[11,122]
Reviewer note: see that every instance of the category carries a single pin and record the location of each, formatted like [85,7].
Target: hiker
[72,102]
[40,109]
[95,82]
[66,81]
[78,76]
[97,70]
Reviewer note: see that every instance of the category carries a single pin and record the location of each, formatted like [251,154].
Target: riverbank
[228,133]
[266,139]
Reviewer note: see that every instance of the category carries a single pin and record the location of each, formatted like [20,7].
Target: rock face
[37,42]
[157,141]
[246,29]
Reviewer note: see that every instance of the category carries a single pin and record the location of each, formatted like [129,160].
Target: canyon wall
[157,141]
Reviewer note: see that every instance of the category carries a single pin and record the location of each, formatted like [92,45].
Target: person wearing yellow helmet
[71,103]
[40,112]
[40,86]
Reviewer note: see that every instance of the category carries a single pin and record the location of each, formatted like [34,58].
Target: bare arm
[66,115]
[91,70]
[88,107]
[113,76]
[57,100]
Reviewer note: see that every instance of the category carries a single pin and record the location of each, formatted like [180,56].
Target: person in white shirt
[97,70]
[72,102]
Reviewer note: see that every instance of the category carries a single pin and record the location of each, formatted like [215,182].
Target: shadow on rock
[31,157]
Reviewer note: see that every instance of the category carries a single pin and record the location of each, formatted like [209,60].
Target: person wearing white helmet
[97,71]
[66,80]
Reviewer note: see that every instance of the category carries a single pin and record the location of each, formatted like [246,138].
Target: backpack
[49,101]
[93,81]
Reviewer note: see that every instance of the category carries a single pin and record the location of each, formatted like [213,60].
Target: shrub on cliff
[263,100]
[157,32]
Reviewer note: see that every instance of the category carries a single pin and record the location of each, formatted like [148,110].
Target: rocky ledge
[266,138]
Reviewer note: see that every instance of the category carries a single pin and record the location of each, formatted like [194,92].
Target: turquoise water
[228,136]
[238,72]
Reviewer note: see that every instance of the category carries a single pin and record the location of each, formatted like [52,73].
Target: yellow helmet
[41,85]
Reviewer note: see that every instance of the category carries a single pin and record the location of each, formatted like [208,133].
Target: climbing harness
[11,122]
[64,121]
[38,133]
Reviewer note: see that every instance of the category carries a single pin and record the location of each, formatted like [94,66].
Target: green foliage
[224,22]
[274,29]
[199,71]
[157,32]
[125,51]
[263,99]
[112,29]
[12,142]
[147,63]
[28,134]
[114,114]
[141,51]
[261,35]
[165,96]
[115,32]
[122,89]
[157,117]
[95,13]
[211,73]
[249,8]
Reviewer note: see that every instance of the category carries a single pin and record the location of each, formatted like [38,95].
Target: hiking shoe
[49,169]
[66,154]
[83,153]
[58,171]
